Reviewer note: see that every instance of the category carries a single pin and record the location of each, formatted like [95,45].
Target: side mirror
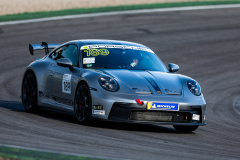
[173,67]
[65,62]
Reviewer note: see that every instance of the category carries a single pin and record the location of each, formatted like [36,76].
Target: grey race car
[114,81]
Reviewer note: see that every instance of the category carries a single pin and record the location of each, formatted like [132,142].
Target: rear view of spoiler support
[44,45]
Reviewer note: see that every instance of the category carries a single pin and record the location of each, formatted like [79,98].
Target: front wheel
[185,128]
[82,104]
[29,92]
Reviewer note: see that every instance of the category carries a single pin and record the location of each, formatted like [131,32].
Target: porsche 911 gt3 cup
[114,81]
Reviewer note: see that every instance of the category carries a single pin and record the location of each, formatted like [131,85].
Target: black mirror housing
[65,62]
[173,67]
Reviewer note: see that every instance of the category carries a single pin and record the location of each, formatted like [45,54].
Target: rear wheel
[29,92]
[185,128]
[82,104]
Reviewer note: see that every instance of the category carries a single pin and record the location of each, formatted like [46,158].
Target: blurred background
[21,6]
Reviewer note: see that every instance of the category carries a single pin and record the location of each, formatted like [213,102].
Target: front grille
[161,116]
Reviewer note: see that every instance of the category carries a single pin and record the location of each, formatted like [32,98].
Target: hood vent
[141,91]
[172,92]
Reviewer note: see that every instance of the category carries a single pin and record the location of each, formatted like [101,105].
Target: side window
[57,54]
[69,51]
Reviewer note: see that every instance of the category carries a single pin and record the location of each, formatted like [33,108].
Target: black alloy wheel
[82,104]
[185,128]
[29,92]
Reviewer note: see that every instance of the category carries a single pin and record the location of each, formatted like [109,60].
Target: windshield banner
[93,48]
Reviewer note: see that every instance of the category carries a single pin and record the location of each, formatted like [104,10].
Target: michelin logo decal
[163,106]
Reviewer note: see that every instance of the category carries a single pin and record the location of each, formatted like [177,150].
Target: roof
[112,42]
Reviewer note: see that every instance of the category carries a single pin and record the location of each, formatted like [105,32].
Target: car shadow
[17,106]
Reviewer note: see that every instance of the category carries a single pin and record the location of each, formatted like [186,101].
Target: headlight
[108,83]
[194,87]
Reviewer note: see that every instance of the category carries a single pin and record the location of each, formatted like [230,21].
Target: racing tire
[83,104]
[185,128]
[29,93]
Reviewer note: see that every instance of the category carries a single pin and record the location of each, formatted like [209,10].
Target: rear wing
[44,45]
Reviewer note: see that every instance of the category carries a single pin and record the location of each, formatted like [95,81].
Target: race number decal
[66,83]
[96,52]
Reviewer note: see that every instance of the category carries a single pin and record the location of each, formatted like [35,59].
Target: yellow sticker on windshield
[104,52]
[96,52]
[87,52]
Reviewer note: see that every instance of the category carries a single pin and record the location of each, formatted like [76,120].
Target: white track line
[55,152]
[122,12]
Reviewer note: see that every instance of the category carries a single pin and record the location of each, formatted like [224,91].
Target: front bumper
[131,113]
[124,108]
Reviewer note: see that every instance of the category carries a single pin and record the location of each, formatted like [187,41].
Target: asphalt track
[204,43]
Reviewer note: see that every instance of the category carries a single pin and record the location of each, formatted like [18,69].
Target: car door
[62,82]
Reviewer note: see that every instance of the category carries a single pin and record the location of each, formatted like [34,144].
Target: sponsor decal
[96,52]
[89,65]
[163,106]
[89,47]
[88,60]
[98,112]
[66,83]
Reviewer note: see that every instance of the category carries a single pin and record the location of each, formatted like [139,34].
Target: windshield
[121,58]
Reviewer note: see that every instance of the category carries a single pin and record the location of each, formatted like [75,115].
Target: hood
[148,82]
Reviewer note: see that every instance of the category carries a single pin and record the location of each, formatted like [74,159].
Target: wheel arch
[78,84]
[81,81]
[34,74]
[26,71]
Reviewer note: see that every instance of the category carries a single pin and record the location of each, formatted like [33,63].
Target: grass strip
[44,14]
[22,154]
